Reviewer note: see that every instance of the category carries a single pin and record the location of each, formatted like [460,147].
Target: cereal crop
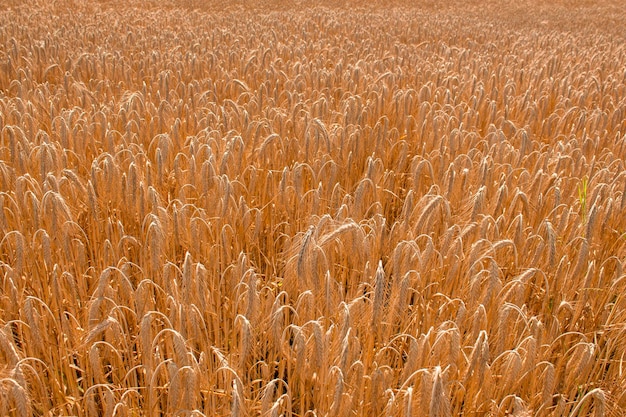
[312,209]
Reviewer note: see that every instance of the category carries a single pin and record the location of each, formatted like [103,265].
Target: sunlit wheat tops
[254,209]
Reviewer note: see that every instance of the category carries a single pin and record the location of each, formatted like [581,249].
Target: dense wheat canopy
[279,208]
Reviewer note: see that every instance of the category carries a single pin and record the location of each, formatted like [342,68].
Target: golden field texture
[270,209]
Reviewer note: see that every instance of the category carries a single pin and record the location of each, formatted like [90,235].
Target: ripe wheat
[216,208]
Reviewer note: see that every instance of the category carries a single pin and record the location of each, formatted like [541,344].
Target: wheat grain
[379,295]
[439,402]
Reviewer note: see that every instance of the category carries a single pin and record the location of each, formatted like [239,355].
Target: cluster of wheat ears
[328,211]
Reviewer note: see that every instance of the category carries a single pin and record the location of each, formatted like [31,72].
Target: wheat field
[293,209]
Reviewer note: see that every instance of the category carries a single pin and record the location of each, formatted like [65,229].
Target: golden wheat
[261,208]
